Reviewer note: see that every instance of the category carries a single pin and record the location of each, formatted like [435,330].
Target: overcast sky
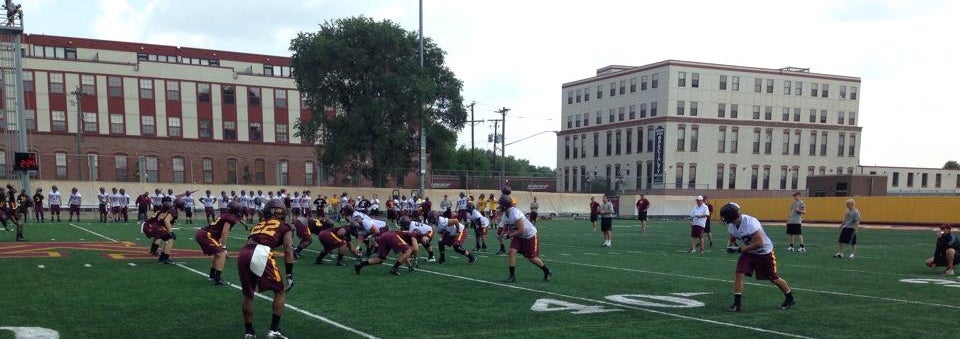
[516,54]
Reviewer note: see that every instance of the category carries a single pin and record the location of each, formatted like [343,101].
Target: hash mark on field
[41,266]
[132,264]
[87,265]
[591,254]
[565,254]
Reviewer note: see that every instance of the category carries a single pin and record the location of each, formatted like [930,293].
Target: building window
[620,114]
[692,176]
[654,80]
[623,87]
[205,129]
[260,172]
[841,116]
[90,122]
[758,85]
[146,88]
[825,91]
[229,130]
[938,179]
[785,116]
[649,138]
[93,161]
[599,118]
[61,159]
[619,142]
[723,82]
[283,173]
[576,152]
[813,116]
[633,112]
[207,170]
[694,138]
[579,95]
[30,117]
[276,71]
[735,83]
[232,171]
[203,92]
[229,95]
[569,122]
[853,93]
[173,90]
[643,83]
[787,85]
[756,141]
[88,84]
[786,142]
[852,120]
[795,177]
[115,87]
[813,89]
[734,140]
[148,125]
[566,147]
[720,176]
[639,140]
[681,79]
[695,80]
[678,182]
[843,92]
[280,98]
[721,110]
[909,179]
[681,107]
[56,83]
[732,183]
[177,163]
[633,85]
[586,119]
[569,97]
[173,127]
[796,142]
[853,146]
[895,181]
[256,131]
[722,140]
[734,111]
[308,173]
[58,121]
[754,177]
[611,116]
[766,177]
[796,114]
[586,94]
[768,141]
[28,81]
[756,112]
[609,143]
[783,177]
[681,137]
[798,88]
[768,113]
[653,109]
[823,143]
[282,133]
[694,108]
[596,144]
[823,116]
[613,89]
[599,91]
[629,141]
[120,167]
[769,86]
[840,144]
[813,143]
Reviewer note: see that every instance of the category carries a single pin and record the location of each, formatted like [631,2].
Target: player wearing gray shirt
[797,209]
[848,230]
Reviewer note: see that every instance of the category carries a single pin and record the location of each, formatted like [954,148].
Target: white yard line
[755,284]
[287,305]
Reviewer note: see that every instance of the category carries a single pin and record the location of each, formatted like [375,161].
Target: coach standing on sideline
[606,222]
[594,213]
[756,255]
[698,221]
[642,206]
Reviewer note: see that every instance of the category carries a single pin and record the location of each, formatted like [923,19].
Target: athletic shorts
[208,243]
[940,258]
[847,236]
[794,229]
[706,228]
[529,248]
[606,224]
[696,231]
[594,217]
[642,216]
[270,280]
[764,265]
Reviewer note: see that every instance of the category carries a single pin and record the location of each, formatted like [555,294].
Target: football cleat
[249,336]
[501,252]
[220,282]
[394,271]
[735,308]
[432,260]
[442,260]
[802,250]
[510,279]
[948,272]
[340,262]
[851,256]
[297,255]
[275,335]
[357,268]
[472,258]
[787,304]
[838,255]
[547,275]
[167,262]
[790,249]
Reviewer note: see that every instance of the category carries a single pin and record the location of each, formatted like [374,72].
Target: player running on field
[756,255]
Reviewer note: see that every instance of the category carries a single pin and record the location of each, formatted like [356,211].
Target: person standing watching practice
[606,222]
[756,255]
[54,200]
[445,206]
[706,227]
[848,230]
[947,252]
[534,209]
[38,205]
[797,209]
[698,221]
[258,269]
[642,206]
[594,213]
[75,199]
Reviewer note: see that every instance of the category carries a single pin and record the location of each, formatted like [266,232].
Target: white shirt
[75,199]
[748,226]
[54,198]
[102,198]
[700,209]
[115,200]
[375,205]
[444,227]
[187,202]
[478,217]
[305,201]
[207,201]
[223,202]
[514,216]
[156,199]
[368,224]
[462,203]
[124,199]
[421,228]
[295,202]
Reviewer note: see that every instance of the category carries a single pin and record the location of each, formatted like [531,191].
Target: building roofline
[909,168]
[671,62]
[139,47]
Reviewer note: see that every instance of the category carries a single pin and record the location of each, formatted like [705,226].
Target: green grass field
[645,286]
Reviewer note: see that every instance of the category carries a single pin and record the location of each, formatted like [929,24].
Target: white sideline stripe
[287,305]
[619,305]
[756,284]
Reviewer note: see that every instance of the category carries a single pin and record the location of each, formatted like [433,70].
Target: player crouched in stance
[756,254]
[213,240]
[258,269]
[481,224]
[332,238]
[302,227]
[7,212]
[402,242]
[947,252]
[160,228]
[424,234]
[523,238]
[452,234]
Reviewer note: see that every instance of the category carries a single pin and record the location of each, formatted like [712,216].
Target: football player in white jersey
[103,200]
[295,205]
[75,199]
[523,238]
[305,204]
[452,234]
[208,200]
[481,224]
[124,205]
[54,200]
[424,235]
[756,254]
[188,206]
[115,205]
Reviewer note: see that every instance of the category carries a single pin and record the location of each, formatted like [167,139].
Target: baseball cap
[946,226]
[699,197]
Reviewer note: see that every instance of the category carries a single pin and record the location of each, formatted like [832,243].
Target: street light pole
[78,93]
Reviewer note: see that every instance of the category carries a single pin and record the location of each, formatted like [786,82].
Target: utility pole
[78,93]
[473,156]
[423,120]
[503,145]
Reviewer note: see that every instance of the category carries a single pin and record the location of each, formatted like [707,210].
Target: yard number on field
[678,300]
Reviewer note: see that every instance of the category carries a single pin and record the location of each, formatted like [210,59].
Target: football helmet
[404,222]
[470,207]
[235,207]
[275,209]
[505,202]
[730,212]
[348,210]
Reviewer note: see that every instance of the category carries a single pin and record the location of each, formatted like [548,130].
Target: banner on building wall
[658,156]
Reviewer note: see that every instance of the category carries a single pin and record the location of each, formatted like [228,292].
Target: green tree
[952,165]
[368,73]
[486,161]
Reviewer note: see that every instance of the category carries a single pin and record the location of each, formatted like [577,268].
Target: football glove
[289,281]
[733,249]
